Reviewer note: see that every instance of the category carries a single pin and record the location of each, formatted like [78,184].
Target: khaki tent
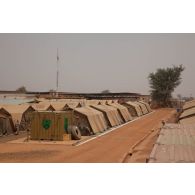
[109,101]
[126,116]
[187,113]
[91,102]
[90,118]
[115,101]
[43,106]
[102,101]
[133,108]
[189,105]
[6,123]
[186,121]
[19,115]
[147,106]
[111,114]
[143,107]
[58,106]
[72,106]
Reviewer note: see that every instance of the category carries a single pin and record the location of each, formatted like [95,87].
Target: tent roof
[92,102]
[5,112]
[187,113]
[73,105]
[189,120]
[42,106]
[175,144]
[95,118]
[16,108]
[58,106]
[16,111]
[111,112]
[189,104]
[123,110]
[137,108]
[143,107]
[147,106]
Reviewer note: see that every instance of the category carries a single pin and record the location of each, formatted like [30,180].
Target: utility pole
[57,75]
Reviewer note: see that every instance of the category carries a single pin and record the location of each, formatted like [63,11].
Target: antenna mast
[57,76]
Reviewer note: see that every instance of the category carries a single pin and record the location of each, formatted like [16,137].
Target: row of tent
[188,114]
[92,116]
[175,143]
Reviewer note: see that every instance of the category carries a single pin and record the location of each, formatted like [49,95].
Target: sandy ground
[110,148]
[23,140]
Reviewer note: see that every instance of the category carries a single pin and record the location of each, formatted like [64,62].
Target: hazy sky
[94,62]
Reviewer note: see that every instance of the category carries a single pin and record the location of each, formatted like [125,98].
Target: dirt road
[111,147]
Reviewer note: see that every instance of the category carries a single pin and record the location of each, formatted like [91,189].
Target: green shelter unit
[47,125]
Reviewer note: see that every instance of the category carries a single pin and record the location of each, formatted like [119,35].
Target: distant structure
[122,97]
[57,74]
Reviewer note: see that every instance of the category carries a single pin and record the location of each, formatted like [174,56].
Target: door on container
[33,126]
[67,121]
[60,126]
[58,130]
[64,121]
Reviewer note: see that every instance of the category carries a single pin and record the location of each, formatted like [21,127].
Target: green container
[49,125]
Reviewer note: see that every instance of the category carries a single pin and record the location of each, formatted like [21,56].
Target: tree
[21,90]
[163,82]
[106,91]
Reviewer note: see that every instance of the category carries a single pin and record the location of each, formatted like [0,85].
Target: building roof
[176,143]
[112,114]
[16,101]
[96,118]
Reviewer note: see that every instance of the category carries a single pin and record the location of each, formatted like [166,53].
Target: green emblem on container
[46,123]
[66,124]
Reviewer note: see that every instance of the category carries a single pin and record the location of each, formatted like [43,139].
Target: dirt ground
[109,148]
